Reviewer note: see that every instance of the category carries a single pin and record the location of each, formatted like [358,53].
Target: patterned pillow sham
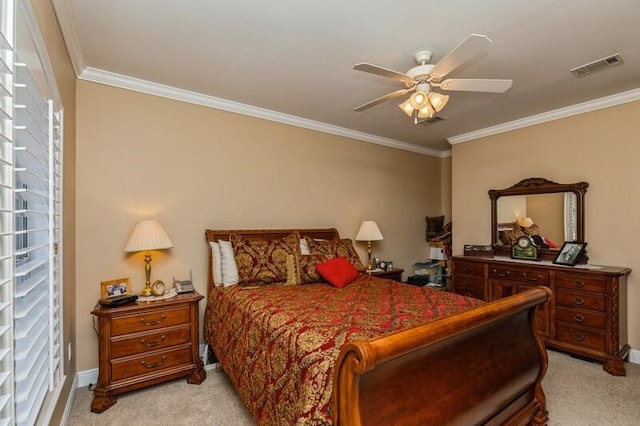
[263,262]
[336,248]
[307,268]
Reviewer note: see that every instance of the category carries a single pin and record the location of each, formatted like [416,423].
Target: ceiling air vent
[427,121]
[598,65]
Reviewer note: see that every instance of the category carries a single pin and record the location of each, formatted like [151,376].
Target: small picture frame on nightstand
[117,287]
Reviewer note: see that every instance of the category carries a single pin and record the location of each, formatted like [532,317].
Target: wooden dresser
[145,343]
[587,316]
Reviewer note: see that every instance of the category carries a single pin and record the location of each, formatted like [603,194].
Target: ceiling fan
[425,103]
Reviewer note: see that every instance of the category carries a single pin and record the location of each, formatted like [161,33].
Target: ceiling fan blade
[469,48]
[382,99]
[383,72]
[476,85]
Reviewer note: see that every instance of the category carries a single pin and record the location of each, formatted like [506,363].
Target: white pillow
[304,247]
[216,266]
[228,261]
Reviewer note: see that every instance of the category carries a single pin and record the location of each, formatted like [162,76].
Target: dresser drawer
[524,275]
[151,362]
[469,286]
[576,299]
[151,320]
[143,342]
[582,317]
[581,282]
[469,268]
[582,337]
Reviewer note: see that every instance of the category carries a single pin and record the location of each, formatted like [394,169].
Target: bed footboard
[484,366]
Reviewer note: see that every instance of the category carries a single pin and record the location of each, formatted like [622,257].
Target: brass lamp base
[146,292]
[369,263]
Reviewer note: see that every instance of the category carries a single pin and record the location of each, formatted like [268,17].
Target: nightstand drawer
[150,363]
[576,299]
[582,317]
[150,321]
[582,337]
[144,342]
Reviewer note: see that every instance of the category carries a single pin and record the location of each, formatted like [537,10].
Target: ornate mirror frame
[532,186]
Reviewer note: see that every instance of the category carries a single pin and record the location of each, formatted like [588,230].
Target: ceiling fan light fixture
[426,112]
[406,107]
[419,99]
[438,100]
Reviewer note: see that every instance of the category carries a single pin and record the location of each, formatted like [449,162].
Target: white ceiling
[292,60]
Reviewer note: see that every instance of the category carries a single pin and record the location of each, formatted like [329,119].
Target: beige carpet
[578,393]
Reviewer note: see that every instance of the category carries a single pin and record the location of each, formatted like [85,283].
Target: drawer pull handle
[579,318]
[578,300]
[155,364]
[579,337]
[528,278]
[506,274]
[143,322]
[578,284]
[467,269]
[152,344]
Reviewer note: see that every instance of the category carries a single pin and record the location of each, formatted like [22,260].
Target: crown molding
[66,19]
[143,86]
[596,104]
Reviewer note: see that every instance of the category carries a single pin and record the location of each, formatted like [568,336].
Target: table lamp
[147,235]
[369,232]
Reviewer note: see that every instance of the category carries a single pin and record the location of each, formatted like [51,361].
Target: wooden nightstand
[145,343]
[392,274]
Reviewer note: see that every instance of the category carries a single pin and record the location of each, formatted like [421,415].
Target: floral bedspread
[278,344]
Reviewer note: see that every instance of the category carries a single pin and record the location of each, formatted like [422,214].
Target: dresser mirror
[549,212]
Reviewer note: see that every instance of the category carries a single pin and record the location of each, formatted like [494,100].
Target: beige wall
[445,188]
[66,82]
[599,147]
[141,156]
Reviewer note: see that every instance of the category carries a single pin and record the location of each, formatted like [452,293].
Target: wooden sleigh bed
[377,362]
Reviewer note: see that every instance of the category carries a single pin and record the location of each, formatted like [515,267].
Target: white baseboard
[634,356]
[86,378]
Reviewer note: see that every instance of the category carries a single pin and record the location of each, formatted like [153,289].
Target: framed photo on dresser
[570,252]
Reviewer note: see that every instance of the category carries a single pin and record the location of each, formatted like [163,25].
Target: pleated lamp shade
[369,231]
[148,235]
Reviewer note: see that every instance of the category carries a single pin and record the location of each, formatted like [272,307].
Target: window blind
[31,368]
[6,213]
[32,279]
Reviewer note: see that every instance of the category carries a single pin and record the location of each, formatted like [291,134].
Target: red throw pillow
[338,271]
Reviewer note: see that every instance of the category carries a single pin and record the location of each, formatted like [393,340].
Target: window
[31,368]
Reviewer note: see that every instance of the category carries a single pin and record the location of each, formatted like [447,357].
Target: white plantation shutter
[33,289]
[6,213]
[31,353]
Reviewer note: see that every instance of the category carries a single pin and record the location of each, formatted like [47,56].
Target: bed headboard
[212,235]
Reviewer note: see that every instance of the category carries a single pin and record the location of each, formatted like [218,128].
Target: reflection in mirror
[549,212]
[551,217]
